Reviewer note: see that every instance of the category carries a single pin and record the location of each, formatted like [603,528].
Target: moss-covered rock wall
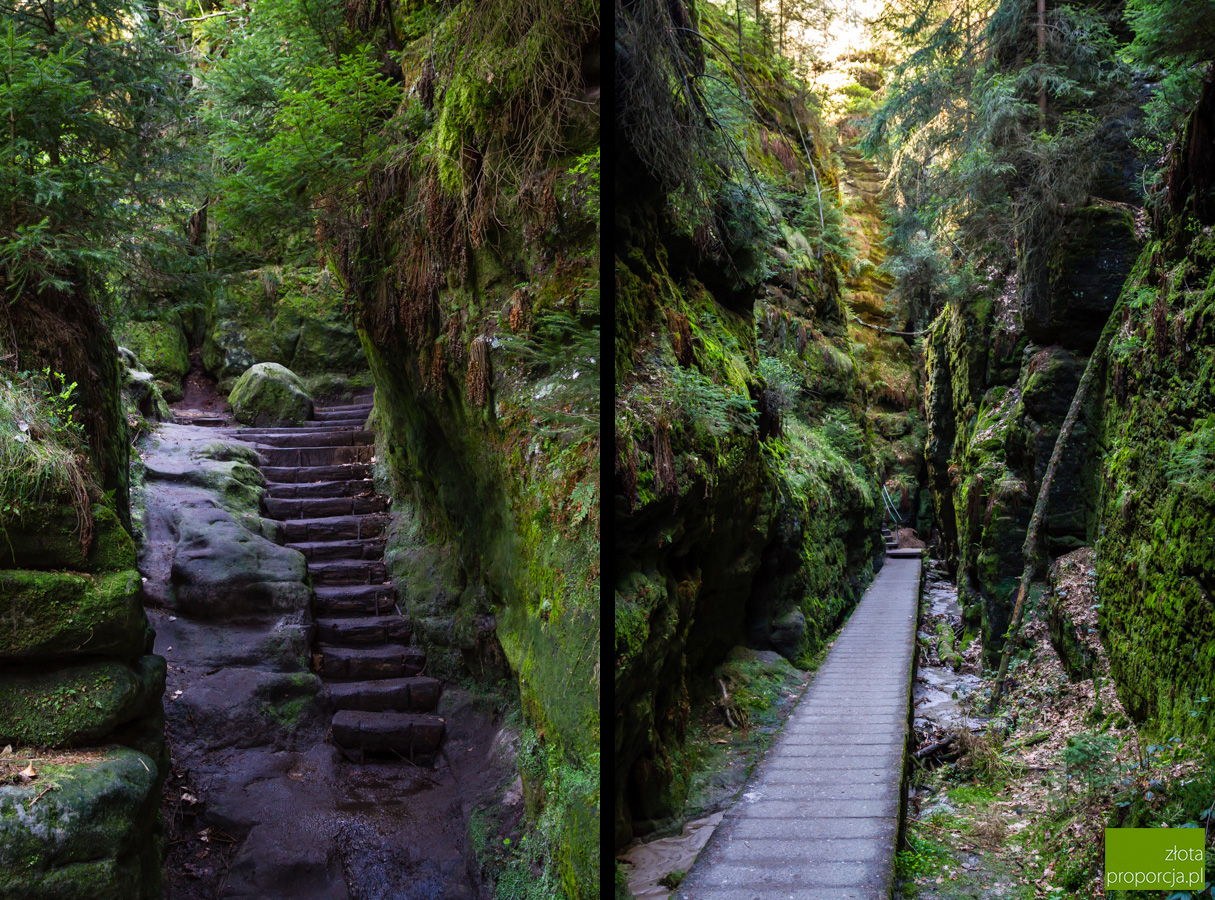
[998,387]
[80,691]
[755,419]
[1156,426]
[472,262]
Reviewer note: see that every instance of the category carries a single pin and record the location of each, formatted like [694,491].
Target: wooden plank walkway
[819,817]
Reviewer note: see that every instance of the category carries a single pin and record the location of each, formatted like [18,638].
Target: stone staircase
[322,496]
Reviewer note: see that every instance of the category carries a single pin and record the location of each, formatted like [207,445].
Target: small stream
[938,688]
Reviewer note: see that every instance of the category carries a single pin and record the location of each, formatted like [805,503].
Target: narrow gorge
[299,450]
[935,271]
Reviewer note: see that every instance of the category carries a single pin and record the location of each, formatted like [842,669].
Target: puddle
[649,862]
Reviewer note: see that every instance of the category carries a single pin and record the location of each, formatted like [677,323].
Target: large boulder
[270,395]
[87,828]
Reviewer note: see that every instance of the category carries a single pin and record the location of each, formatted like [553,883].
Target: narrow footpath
[819,818]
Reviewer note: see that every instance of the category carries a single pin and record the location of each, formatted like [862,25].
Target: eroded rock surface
[284,814]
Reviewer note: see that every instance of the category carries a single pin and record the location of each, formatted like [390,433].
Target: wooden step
[348,571]
[361,631]
[331,413]
[417,694]
[289,491]
[324,507]
[310,457]
[355,599]
[336,438]
[308,474]
[336,528]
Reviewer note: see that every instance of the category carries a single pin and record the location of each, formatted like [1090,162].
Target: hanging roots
[476,383]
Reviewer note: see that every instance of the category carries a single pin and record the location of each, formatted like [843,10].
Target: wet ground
[377,830]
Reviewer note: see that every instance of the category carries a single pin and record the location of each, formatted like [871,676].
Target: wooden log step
[355,599]
[360,631]
[405,733]
[348,571]
[320,551]
[367,663]
[289,491]
[329,413]
[335,528]
[308,474]
[418,694]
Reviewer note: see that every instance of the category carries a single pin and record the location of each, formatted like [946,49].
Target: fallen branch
[934,749]
[1033,535]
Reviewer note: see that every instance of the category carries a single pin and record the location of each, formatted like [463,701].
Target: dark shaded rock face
[90,837]
[1090,260]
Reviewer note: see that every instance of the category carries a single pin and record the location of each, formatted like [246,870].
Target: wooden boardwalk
[819,818]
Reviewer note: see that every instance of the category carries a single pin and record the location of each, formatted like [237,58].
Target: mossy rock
[83,830]
[55,614]
[77,704]
[47,537]
[161,347]
[270,395]
[238,332]
[293,317]
[142,392]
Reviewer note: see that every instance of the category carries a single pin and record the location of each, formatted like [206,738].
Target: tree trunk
[1042,62]
[1029,550]
[742,81]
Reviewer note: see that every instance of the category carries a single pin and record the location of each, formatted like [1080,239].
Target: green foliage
[324,138]
[1175,30]
[922,857]
[564,351]
[708,406]
[784,382]
[1191,461]
[586,178]
[42,450]
[1089,758]
[91,91]
[989,141]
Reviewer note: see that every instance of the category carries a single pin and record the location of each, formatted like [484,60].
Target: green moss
[269,395]
[93,832]
[47,537]
[162,349]
[50,614]
[77,704]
